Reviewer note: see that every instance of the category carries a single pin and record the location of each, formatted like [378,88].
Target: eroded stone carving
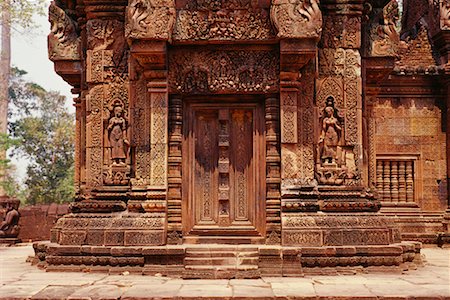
[9,227]
[196,72]
[444,13]
[63,41]
[383,34]
[150,19]
[297,18]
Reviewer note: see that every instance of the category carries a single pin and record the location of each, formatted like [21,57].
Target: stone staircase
[221,261]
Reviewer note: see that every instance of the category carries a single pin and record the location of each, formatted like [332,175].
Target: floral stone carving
[297,18]
[63,40]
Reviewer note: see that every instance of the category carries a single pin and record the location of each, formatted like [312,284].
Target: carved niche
[444,14]
[297,18]
[222,20]
[150,19]
[383,37]
[107,104]
[200,72]
[63,40]
[338,98]
[116,136]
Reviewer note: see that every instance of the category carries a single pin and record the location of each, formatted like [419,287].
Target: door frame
[259,165]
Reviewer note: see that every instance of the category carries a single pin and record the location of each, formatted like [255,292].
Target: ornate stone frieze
[105,35]
[384,38]
[150,19]
[63,41]
[341,31]
[141,133]
[297,18]
[215,5]
[288,105]
[158,133]
[201,72]
[444,14]
[223,24]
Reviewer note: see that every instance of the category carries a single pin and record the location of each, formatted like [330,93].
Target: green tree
[43,135]
[17,13]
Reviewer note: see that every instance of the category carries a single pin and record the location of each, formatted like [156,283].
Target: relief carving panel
[200,72]
[223,24]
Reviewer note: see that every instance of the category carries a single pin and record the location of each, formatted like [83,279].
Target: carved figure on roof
[444,12]
[150,19]
[63,40]
[297,18]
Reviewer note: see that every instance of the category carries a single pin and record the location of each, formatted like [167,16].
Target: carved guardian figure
[63,41]
[444,12]
[297,18]
[150,19]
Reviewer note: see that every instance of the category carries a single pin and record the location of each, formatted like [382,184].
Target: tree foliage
[22,11]
[44,136]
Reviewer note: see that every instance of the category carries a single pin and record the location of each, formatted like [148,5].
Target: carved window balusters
[395,180]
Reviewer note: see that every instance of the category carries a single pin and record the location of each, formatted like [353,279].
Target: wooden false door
[225,170]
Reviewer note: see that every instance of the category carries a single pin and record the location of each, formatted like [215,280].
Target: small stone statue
[330,134]
[117,129]
[9,227]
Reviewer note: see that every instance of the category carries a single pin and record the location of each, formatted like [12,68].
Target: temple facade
[241,138]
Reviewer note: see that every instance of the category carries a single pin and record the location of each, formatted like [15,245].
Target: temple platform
[226,261]
[20,280]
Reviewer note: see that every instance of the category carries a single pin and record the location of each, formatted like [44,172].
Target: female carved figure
[330,135]
[117,129]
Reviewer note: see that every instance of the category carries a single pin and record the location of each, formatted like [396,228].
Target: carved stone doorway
[223,172]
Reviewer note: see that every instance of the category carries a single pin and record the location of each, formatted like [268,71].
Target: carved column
[338,101]
[442,42]
[273,169]
[107,110]
[148,29]
[174,180]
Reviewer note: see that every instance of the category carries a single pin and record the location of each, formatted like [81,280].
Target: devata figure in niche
[331,133]
[117,134]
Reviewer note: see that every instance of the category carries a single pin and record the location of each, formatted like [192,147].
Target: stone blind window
[395,180]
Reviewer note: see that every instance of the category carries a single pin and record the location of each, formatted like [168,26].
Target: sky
[29,53]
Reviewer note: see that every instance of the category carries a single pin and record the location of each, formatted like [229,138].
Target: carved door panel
[223,193]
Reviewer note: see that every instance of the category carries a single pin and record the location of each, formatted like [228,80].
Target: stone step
[214,254]
[221,261]
[222,267]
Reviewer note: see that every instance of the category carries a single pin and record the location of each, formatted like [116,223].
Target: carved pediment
[63,40]
[297,18]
